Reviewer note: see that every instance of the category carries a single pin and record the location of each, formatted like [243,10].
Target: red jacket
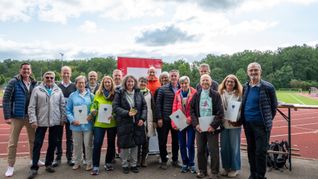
[153,85]
[177,104]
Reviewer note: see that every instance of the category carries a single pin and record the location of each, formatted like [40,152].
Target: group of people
[133,110]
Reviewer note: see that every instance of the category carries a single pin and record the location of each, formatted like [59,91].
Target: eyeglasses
[230,81]
[49,77]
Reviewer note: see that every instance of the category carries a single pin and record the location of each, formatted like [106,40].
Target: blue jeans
[99,134]
[230,148]
[257,138]
[186,142]
[38,142]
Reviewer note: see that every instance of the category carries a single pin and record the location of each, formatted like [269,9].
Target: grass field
[295,98]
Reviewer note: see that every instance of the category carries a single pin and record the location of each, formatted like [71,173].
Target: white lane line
[297,133]
[292,96]
[296,125]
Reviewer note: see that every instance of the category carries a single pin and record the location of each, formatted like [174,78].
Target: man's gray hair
[165,73]
[49,73]
[205,65]
[254,64]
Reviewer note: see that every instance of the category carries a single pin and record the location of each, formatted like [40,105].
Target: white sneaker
[233,174]
[40,163]
[224,172]
[9,172]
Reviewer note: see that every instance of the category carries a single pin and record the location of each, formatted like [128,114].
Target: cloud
[88,27]
[211,4]
[164,36]
[18,10]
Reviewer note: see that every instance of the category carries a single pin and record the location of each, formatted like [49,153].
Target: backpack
[275,160]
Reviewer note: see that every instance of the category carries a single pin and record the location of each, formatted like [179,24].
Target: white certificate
[104,112]
[179,119]
[205,122]
[232,111]
[80,114]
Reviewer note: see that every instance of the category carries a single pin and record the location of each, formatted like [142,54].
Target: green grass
[1,93]
[295,98]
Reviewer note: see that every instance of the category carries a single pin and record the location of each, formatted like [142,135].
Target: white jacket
[44,109]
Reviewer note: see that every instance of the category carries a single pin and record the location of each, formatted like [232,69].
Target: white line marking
[296,98]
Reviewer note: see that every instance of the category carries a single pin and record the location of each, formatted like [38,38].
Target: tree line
[290,67]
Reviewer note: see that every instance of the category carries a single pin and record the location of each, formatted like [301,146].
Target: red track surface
[304,134]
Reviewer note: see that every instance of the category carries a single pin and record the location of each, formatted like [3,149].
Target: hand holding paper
[80,114]
[104,113]
[179,119]
[205,122]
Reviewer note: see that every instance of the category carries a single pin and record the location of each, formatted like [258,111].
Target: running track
[304,134]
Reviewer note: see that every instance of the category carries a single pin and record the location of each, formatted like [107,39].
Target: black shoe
[134,169]
[50,169]
[70,163]
[125,170]
[117,155]
[56,163]
[176,164]
[108,167]
[202,174]
[32,174]
[164,166]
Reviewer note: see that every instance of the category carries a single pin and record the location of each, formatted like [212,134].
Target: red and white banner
[138,67]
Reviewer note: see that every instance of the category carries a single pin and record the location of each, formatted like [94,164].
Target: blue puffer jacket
[267,103]
[16,98]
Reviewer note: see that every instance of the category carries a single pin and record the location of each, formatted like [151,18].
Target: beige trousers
[15,130]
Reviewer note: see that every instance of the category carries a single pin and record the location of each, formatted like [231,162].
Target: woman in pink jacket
[186,137]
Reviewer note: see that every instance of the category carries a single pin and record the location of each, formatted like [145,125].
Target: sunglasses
[49,77]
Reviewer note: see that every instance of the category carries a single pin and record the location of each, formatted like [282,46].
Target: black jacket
[217,110]
[128,132]
[164,102]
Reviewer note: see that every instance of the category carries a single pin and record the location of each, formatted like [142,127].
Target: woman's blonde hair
[237,87]
[101,87]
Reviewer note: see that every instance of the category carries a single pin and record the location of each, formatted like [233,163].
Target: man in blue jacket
[15,109]
[258,111]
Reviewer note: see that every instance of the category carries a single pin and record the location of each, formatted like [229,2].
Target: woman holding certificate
[231,94]
[186,136]
[130,110]
[207,114]
[101,110]
[77,110]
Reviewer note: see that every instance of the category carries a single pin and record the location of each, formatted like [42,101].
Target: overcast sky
[168,29]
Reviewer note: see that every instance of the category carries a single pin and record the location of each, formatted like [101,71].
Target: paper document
[179,119]
[232,111]
[205,122]
[104,112]
[80,114]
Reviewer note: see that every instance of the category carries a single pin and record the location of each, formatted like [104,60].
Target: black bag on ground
[278,160]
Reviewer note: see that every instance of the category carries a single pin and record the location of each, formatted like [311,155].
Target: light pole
[62,55]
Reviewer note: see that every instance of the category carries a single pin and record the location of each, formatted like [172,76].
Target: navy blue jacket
[164,101]
[267,102]
[16,98]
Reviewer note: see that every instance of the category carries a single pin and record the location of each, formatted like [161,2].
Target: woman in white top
[231,92]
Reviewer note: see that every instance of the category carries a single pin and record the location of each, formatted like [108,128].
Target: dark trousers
[257,138]
[69,142]
[143,150]
[38,142]
[163,139]
[206,140]
[99,134]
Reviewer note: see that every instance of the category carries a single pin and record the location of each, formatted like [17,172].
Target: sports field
[296,98]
